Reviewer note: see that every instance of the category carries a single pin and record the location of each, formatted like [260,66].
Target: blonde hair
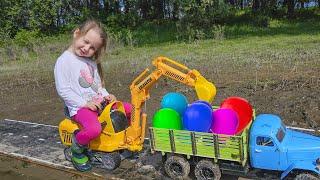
[97,27]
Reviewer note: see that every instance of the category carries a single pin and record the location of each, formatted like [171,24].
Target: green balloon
[167,118]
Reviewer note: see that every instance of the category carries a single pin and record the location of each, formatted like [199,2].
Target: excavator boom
[140,92]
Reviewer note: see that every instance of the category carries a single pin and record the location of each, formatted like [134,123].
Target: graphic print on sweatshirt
[86,80]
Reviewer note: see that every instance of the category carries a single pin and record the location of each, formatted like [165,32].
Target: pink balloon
[225,121]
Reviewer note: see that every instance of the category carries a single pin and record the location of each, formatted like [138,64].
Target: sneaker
[79,159]
[81,162]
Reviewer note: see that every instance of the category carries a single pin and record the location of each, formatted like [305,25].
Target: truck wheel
[177,167]
[110,161]
[306,176]
[205,169]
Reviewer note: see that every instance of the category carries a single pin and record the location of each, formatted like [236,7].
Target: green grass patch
[284,41]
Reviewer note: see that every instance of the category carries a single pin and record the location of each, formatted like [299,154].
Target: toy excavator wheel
[67,153]
[306,176]
[205,169]
[177,167]
[110,161]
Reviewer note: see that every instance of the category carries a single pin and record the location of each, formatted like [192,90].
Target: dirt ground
[12,169]
[292,94]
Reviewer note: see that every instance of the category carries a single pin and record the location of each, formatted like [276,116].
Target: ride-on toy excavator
[114,139]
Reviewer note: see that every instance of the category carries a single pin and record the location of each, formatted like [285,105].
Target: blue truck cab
[273,146]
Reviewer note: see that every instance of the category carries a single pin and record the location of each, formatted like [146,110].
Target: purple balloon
[225,121]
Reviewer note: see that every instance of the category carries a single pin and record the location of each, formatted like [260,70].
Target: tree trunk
[255,5]
[106,5]
[290,5]
[94,6]
[302,4]
[241,4]
[284,3]
[232,2]
[272,6]
[144,5]
[158,11]
[175,10]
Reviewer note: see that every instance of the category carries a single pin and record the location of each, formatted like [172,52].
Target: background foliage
[25,23]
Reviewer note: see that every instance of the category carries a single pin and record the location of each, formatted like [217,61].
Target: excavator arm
[140,93]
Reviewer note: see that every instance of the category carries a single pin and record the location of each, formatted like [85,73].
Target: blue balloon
[175,101]
[197,117]
[204,102]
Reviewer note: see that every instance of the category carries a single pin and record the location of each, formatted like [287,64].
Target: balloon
[225,121]
[167,118]
[175,101]
[204,102]
[197,117]
[242,107]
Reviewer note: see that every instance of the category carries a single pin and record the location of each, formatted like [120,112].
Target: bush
[261,21]
[198,18]
[121,21]
[4,37]
[26,38]
[218,32]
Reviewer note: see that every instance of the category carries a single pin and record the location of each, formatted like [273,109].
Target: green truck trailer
[180,148]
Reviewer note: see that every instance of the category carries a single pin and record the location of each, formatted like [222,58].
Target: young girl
[79,82]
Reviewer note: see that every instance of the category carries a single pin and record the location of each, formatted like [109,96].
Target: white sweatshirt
[77,81]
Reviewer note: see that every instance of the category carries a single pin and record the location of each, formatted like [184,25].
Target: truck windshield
[280,134]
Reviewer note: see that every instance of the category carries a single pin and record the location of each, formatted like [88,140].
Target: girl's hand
[93,106]
[110,98]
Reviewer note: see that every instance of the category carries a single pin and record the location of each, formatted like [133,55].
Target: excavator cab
[113,122]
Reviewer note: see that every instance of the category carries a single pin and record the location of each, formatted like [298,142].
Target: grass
[285,43]
[241,57]
[276,68]
[150,33]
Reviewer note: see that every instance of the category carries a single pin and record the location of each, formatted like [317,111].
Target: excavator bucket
[204,89]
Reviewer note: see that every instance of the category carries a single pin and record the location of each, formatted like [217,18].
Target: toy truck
[265,144]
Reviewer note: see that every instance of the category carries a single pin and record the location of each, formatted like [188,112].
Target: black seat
[66,112]
[119,121]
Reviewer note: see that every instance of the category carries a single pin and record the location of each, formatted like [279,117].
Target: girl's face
[86,45]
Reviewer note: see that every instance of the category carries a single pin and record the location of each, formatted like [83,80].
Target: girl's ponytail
[101,74]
